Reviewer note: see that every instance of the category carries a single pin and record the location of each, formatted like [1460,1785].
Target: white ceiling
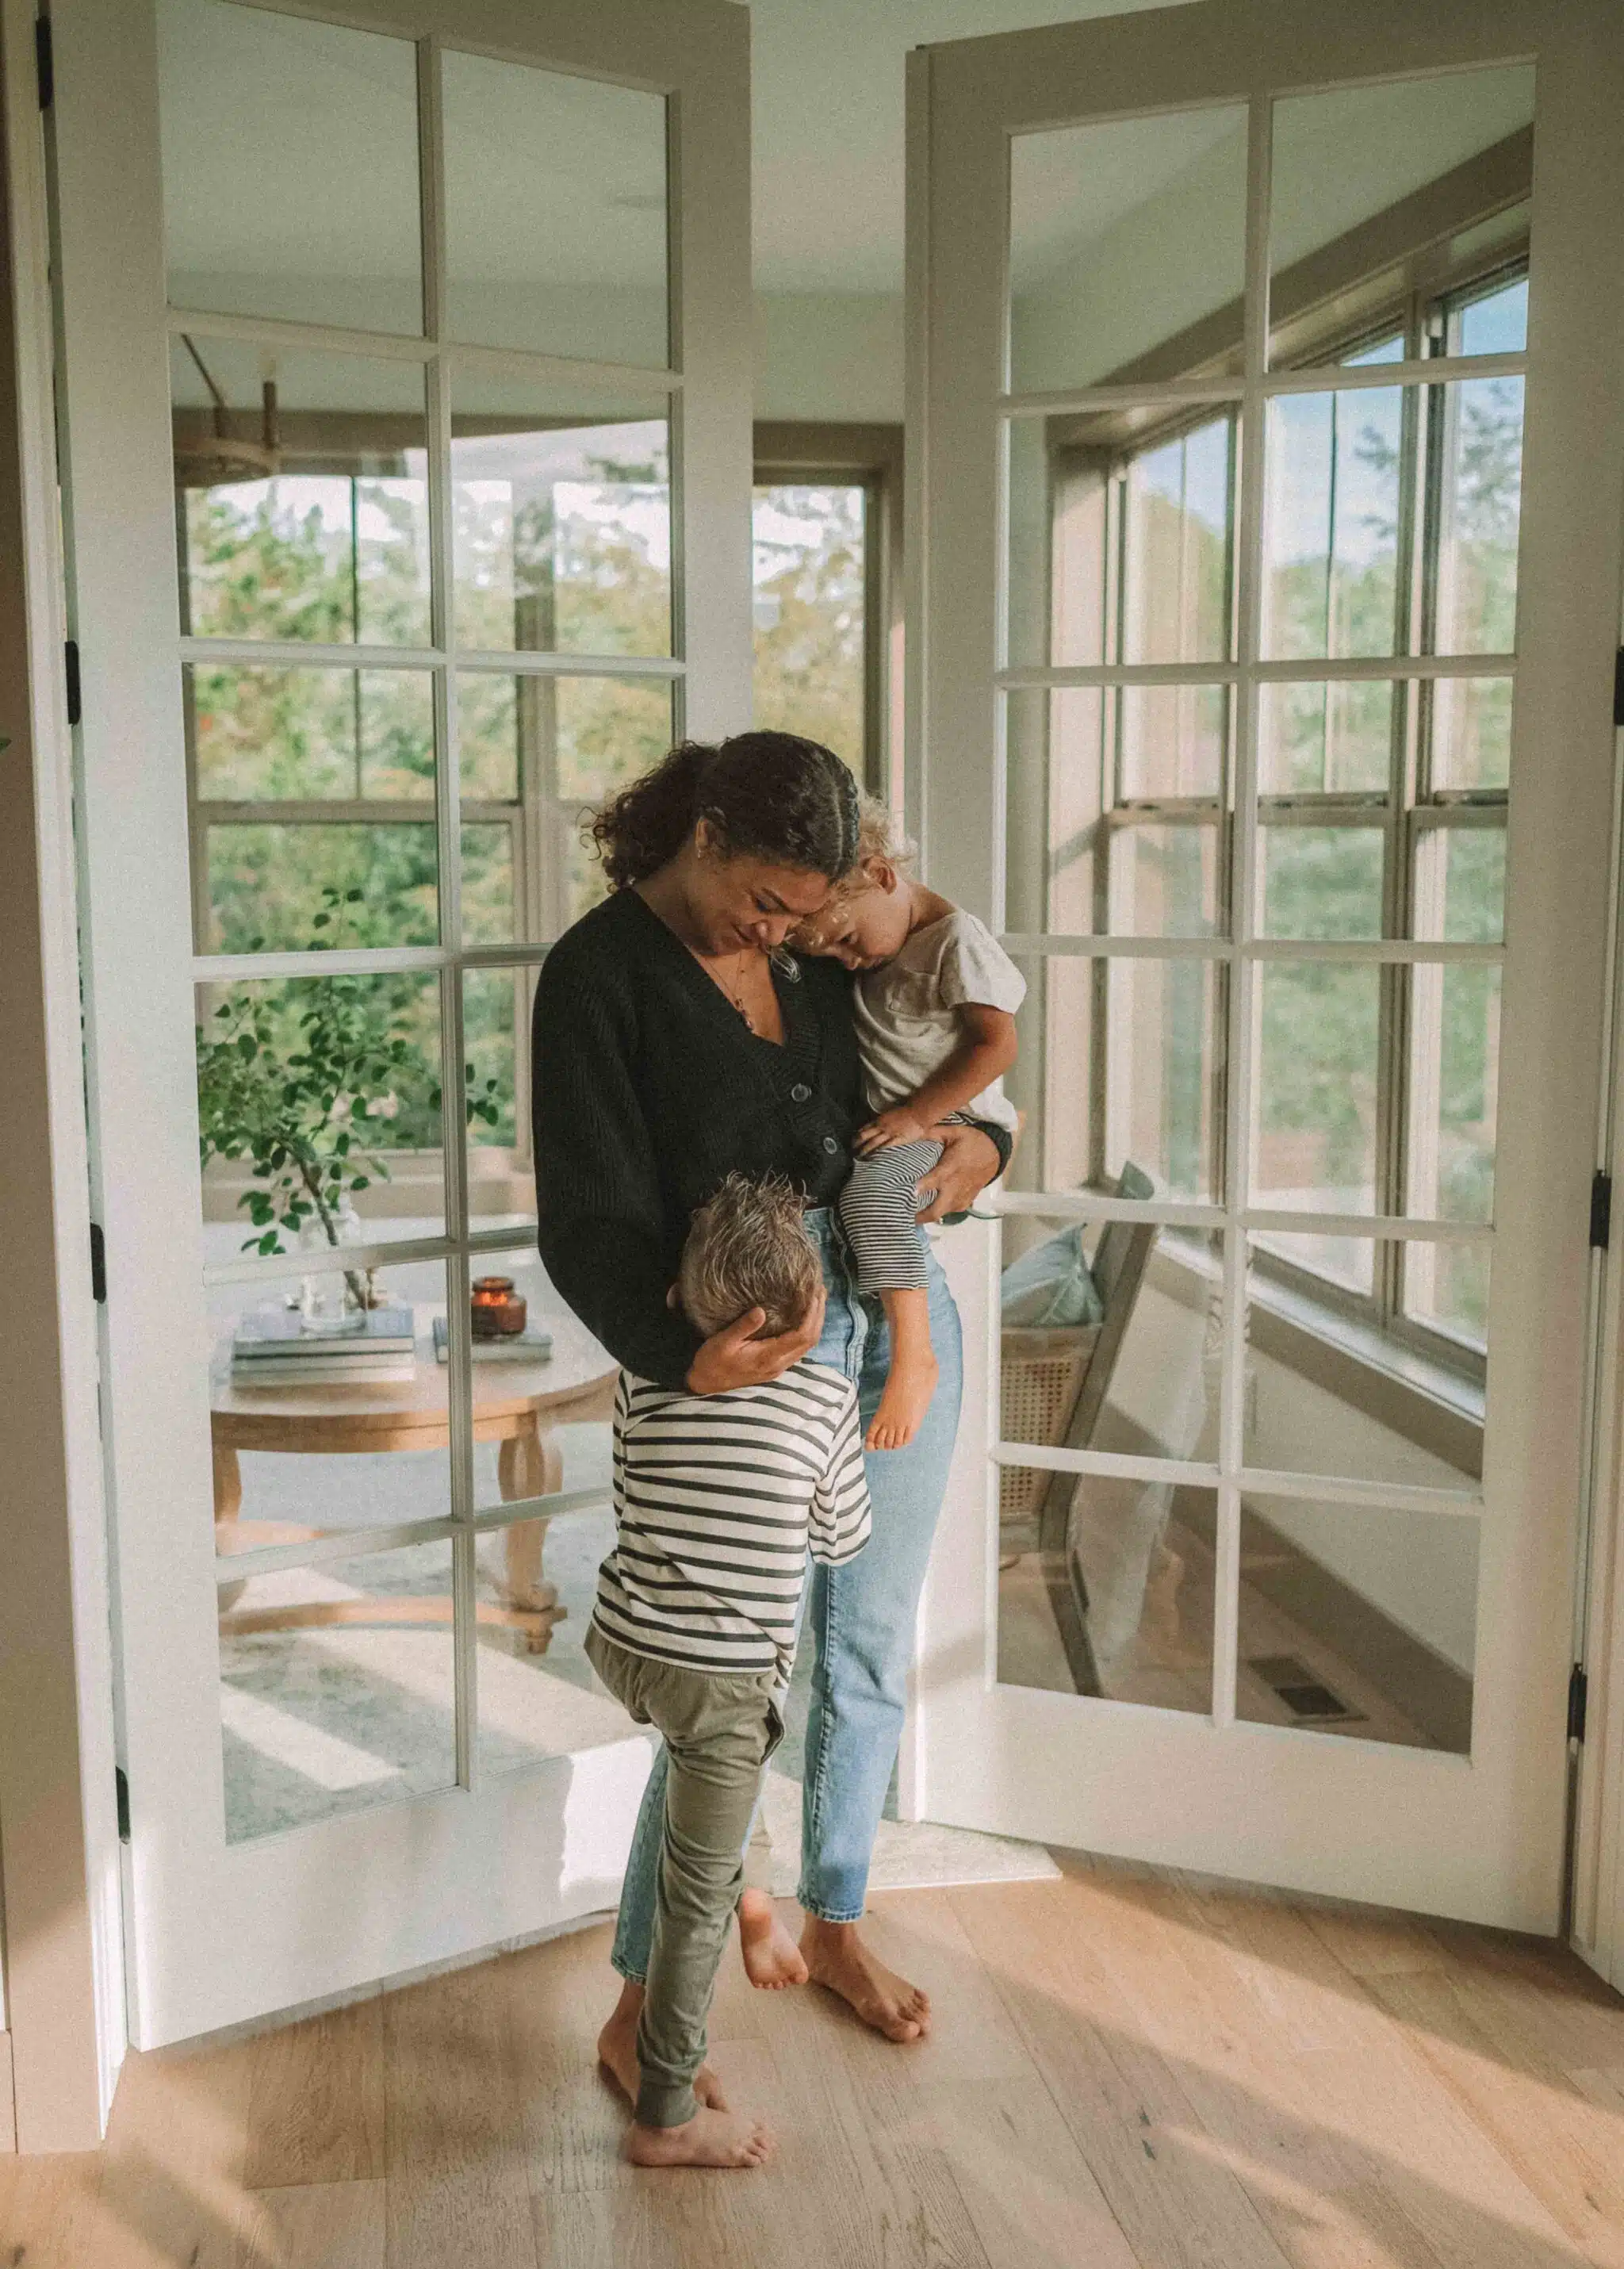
[828,81]
[290,146]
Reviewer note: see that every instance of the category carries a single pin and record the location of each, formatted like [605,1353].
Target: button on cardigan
[648,1087]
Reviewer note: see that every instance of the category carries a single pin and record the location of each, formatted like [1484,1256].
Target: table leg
[530,1463]
[227,1505]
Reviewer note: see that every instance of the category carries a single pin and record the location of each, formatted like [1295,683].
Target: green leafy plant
[309,1080]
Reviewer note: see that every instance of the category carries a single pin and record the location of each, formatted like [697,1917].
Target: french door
[405,402]
[1269,454]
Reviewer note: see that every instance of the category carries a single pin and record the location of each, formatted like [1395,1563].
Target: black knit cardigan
[648,1087]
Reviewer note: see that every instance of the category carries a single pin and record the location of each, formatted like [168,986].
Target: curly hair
[880,835]
[766,795]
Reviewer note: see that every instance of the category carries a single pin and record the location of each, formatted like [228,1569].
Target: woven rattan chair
[1054,1385]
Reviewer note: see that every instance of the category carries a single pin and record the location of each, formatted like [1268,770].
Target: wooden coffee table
[516,1405]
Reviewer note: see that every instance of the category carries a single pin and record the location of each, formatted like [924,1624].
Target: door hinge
[44,62]
[1579,1700]
[1618,687]
[120,1791]
[1601,1210]
[71,664]
[97,1262]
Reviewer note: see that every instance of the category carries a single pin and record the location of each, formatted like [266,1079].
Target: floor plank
[1180,2208]
[453,2137]
[316,2099]
[1129,2069]
[1026,2185]
[317,2225]
[1568,2150]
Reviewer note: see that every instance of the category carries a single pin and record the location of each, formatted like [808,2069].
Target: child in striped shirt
[717,1499]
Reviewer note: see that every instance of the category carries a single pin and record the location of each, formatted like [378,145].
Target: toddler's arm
[985,1051]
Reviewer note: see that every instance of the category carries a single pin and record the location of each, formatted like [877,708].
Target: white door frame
[1481,1838]
[483,1863]
[1597,1919]
[63,1985]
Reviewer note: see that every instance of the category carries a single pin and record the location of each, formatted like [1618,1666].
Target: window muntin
[1381,805]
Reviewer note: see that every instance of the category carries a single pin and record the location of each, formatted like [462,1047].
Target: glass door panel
[1243,584]
[413,465]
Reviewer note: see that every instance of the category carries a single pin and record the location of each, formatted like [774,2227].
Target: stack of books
[273,1347]
[528,1346]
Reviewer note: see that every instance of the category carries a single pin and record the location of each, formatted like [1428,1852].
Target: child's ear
[674,1297]
[881,874]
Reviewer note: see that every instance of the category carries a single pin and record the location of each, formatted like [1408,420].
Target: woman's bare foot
[710,2138]
[771,1958]
[909,1387]
[617,2053]
[837,1959]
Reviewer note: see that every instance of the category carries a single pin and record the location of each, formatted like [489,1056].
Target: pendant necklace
[737,998]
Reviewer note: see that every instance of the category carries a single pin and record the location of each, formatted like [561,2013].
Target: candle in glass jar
[497,1309]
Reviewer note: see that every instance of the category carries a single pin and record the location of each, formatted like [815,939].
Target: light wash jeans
[861,1618]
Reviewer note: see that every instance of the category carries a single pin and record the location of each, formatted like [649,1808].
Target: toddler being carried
[935,1006]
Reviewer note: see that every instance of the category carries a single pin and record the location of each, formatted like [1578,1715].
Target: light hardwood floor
[1126,2069]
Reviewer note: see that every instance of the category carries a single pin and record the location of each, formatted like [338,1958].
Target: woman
[676,1041]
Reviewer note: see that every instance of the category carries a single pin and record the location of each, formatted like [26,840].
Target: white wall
[829,357]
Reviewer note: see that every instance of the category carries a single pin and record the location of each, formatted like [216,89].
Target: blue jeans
[861,1618]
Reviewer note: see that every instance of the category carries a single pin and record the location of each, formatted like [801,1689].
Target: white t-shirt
[905,1012]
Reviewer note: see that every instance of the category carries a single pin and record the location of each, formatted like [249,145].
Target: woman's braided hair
[766,795]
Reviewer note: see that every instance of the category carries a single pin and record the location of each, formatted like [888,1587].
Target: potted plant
[310,1082]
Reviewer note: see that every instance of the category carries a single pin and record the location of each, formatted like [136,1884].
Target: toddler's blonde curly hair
[880,835]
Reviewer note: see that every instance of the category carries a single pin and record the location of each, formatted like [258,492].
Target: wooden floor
[1126,2070]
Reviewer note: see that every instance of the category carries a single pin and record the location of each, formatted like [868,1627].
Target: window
[827,610]
[312,786]
[1390,529]
[810,606]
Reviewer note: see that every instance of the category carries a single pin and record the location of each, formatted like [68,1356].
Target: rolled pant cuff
[621,1970]
[666,2103]
[823,1914]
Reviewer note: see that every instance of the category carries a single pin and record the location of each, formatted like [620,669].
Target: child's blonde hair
[880,835]
[748,1248]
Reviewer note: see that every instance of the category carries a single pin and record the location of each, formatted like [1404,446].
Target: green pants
[719,1730]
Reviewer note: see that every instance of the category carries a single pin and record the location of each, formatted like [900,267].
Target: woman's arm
[601,1222]
[986,1050]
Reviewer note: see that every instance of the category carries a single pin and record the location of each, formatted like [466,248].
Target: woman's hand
[968,1163]
[737,1357]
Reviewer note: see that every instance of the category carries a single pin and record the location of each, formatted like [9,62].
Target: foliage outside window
[313,785]
[1390,529]
[811,547]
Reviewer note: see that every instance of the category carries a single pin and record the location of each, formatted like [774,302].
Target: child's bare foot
[908,1388]
[837,1959]
[771,1958]
[617,2053]
[710,2138]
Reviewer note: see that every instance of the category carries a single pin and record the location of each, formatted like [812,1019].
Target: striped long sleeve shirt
[717,1499]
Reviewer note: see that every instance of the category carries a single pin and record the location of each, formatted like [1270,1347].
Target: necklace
[737,997]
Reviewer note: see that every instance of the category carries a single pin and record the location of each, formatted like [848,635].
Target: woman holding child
[678,1044]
